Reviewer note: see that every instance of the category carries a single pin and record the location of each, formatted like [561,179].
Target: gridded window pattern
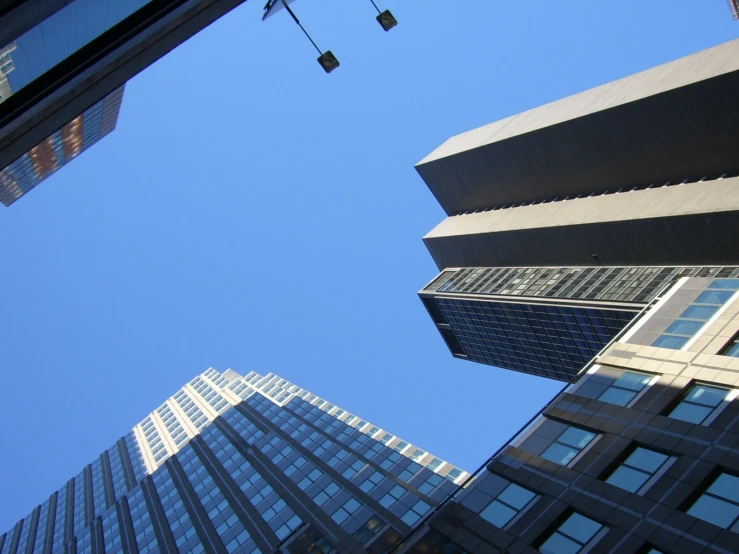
[572,536]
[98,488]
[111,533]
[116,471]
[697,314]
[79,503]
[619,284]
[369,529]
[62,146]
[158,449]
[614,386]
[213,398]
[230,530]
[23,540]
[59,517]
[509,502]
[193,413]
[720,503]
[43,518]
[136,456]
[417,511]
[141,522]
[556,441]
[174,427]
[217,378]
[732,349]
[546,340]
[700,402]
[641,465]
[183,531]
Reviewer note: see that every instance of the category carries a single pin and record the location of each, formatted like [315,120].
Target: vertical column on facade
[158,520]
[125,526]
[15,537]
[97,543]
[244,510]
[32,530]
[301,504]
[50,519]
[107,479]
[128,473]
[200,520]
[388,516]
[87,494]
[69,513]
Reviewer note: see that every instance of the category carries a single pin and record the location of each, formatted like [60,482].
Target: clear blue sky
[252,212]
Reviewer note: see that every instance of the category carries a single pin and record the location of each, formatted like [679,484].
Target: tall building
[547,321]
[60,148]
[640,171]
[241,464]
[564,221]
[734,5]
[639,455]
[61,58]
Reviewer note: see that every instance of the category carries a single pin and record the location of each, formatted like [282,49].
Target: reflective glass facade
[59,36]
[60,148]
[547,321]
[260,464]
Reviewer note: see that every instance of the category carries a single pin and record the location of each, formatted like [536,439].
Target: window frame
[731,394]
[705,491]
[651,479]
[584,546]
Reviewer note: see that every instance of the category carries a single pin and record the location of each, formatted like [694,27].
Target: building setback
[640,171]
[241,464]
[60,148]
[546,321]
[639,455]
[60,58]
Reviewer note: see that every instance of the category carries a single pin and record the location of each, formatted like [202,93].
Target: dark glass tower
[60,148]
[547,321]
[241,464]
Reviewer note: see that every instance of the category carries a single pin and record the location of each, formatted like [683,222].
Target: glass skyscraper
[60,148]
[241,464]
[61,59]
[546,321]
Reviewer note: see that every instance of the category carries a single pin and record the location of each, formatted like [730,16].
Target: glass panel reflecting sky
[61,35]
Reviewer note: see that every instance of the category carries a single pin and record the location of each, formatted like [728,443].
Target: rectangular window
[572,536]
[699,403]
[695,316]
[732,349]
[625,388]
[637,469]
[720,503]
[568,445]
[509,502]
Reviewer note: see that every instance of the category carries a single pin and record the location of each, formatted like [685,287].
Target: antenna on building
[326,59]
[386,20]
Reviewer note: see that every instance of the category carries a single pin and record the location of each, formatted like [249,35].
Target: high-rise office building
[241,464]
[734,5]
[640,171]
[61,58]
[60,148]
[639,455]
[547,321]
[565,220]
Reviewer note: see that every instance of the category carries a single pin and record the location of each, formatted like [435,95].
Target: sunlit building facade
[60,148]
[640,454]
[241,464]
